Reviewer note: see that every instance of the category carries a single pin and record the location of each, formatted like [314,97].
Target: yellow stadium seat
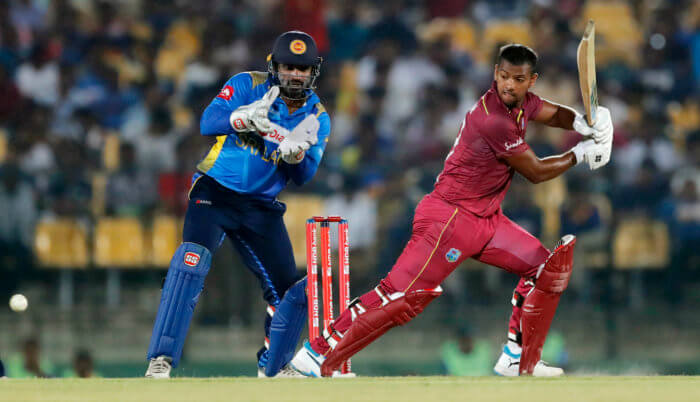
[641,244]
[617,31]
[299,209]
[3,145]
[61,244]
[507,31]
[110,152]
[164,240]
[119,243]
[461,33]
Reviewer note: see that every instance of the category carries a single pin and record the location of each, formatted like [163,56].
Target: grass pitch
[400,389]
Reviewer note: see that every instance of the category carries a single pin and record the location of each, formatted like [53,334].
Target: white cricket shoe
[307,361]
[159,367]
[286,372]
[508,365]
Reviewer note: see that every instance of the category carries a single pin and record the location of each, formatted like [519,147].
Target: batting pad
[181,290]
[287,323]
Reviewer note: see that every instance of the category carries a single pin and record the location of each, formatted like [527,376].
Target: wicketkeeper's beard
[293,88]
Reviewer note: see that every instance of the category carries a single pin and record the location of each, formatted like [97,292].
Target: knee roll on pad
[397,309]
[541,304]
[554,274]
[183,284]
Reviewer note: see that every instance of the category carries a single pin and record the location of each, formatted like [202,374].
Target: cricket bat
[585,58]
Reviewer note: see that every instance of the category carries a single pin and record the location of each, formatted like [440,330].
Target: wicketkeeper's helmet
[299,49]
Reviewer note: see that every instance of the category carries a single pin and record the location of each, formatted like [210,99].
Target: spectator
[10,99]
[156,150]
[83,366]
[129,191]
[347,35]
[38,78]
[29,363]
[17,217]
[466,356]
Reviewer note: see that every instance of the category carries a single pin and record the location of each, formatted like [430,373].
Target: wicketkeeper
[462,218]
[270,127]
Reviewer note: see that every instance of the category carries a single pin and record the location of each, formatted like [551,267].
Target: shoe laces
[287,370]
[159,366]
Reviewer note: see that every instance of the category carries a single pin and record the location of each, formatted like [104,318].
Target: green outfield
[424,389]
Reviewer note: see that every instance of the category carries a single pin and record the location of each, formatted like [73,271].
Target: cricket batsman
[270,127]
[462,218]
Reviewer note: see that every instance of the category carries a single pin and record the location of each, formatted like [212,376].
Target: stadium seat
[640,243]
[110,152]
[61,244]
[617,31]
[299,209]
[119,243]
[3,145]
[98,200]
[684,119]
[164,240]
[462,34]
[503,32]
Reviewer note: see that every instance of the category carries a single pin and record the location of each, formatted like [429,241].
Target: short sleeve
[533,105]
[502,137]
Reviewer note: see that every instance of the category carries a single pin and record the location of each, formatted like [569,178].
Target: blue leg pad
[286,327]
[183,284]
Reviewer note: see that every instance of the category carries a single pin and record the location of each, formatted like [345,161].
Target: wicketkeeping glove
[253,117]
[299,140]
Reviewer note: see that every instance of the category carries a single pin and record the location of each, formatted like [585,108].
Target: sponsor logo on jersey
[205,202]
[276,135]
[226,93]
[297,46]
[511,145]
[191,259]
[453,255]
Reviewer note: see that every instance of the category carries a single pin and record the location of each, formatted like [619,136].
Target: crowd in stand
[116,89]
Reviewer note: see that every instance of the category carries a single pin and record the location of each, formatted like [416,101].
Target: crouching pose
[270,128]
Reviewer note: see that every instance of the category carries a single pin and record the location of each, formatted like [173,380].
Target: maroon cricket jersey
[476,175]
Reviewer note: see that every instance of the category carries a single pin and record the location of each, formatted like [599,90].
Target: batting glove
[602,129]
[596,155]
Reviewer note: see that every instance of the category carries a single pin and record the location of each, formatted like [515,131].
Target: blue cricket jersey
[240,166]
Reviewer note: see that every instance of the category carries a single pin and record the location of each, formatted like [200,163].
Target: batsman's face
[292,76]
[513,82]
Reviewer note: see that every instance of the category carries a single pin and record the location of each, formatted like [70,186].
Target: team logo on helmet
[297,46]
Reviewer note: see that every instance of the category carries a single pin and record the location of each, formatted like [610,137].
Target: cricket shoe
[307,361]
[159,367]
[286,372]
[508,365]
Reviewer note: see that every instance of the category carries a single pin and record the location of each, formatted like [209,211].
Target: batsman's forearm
[553,166]
[563,118]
